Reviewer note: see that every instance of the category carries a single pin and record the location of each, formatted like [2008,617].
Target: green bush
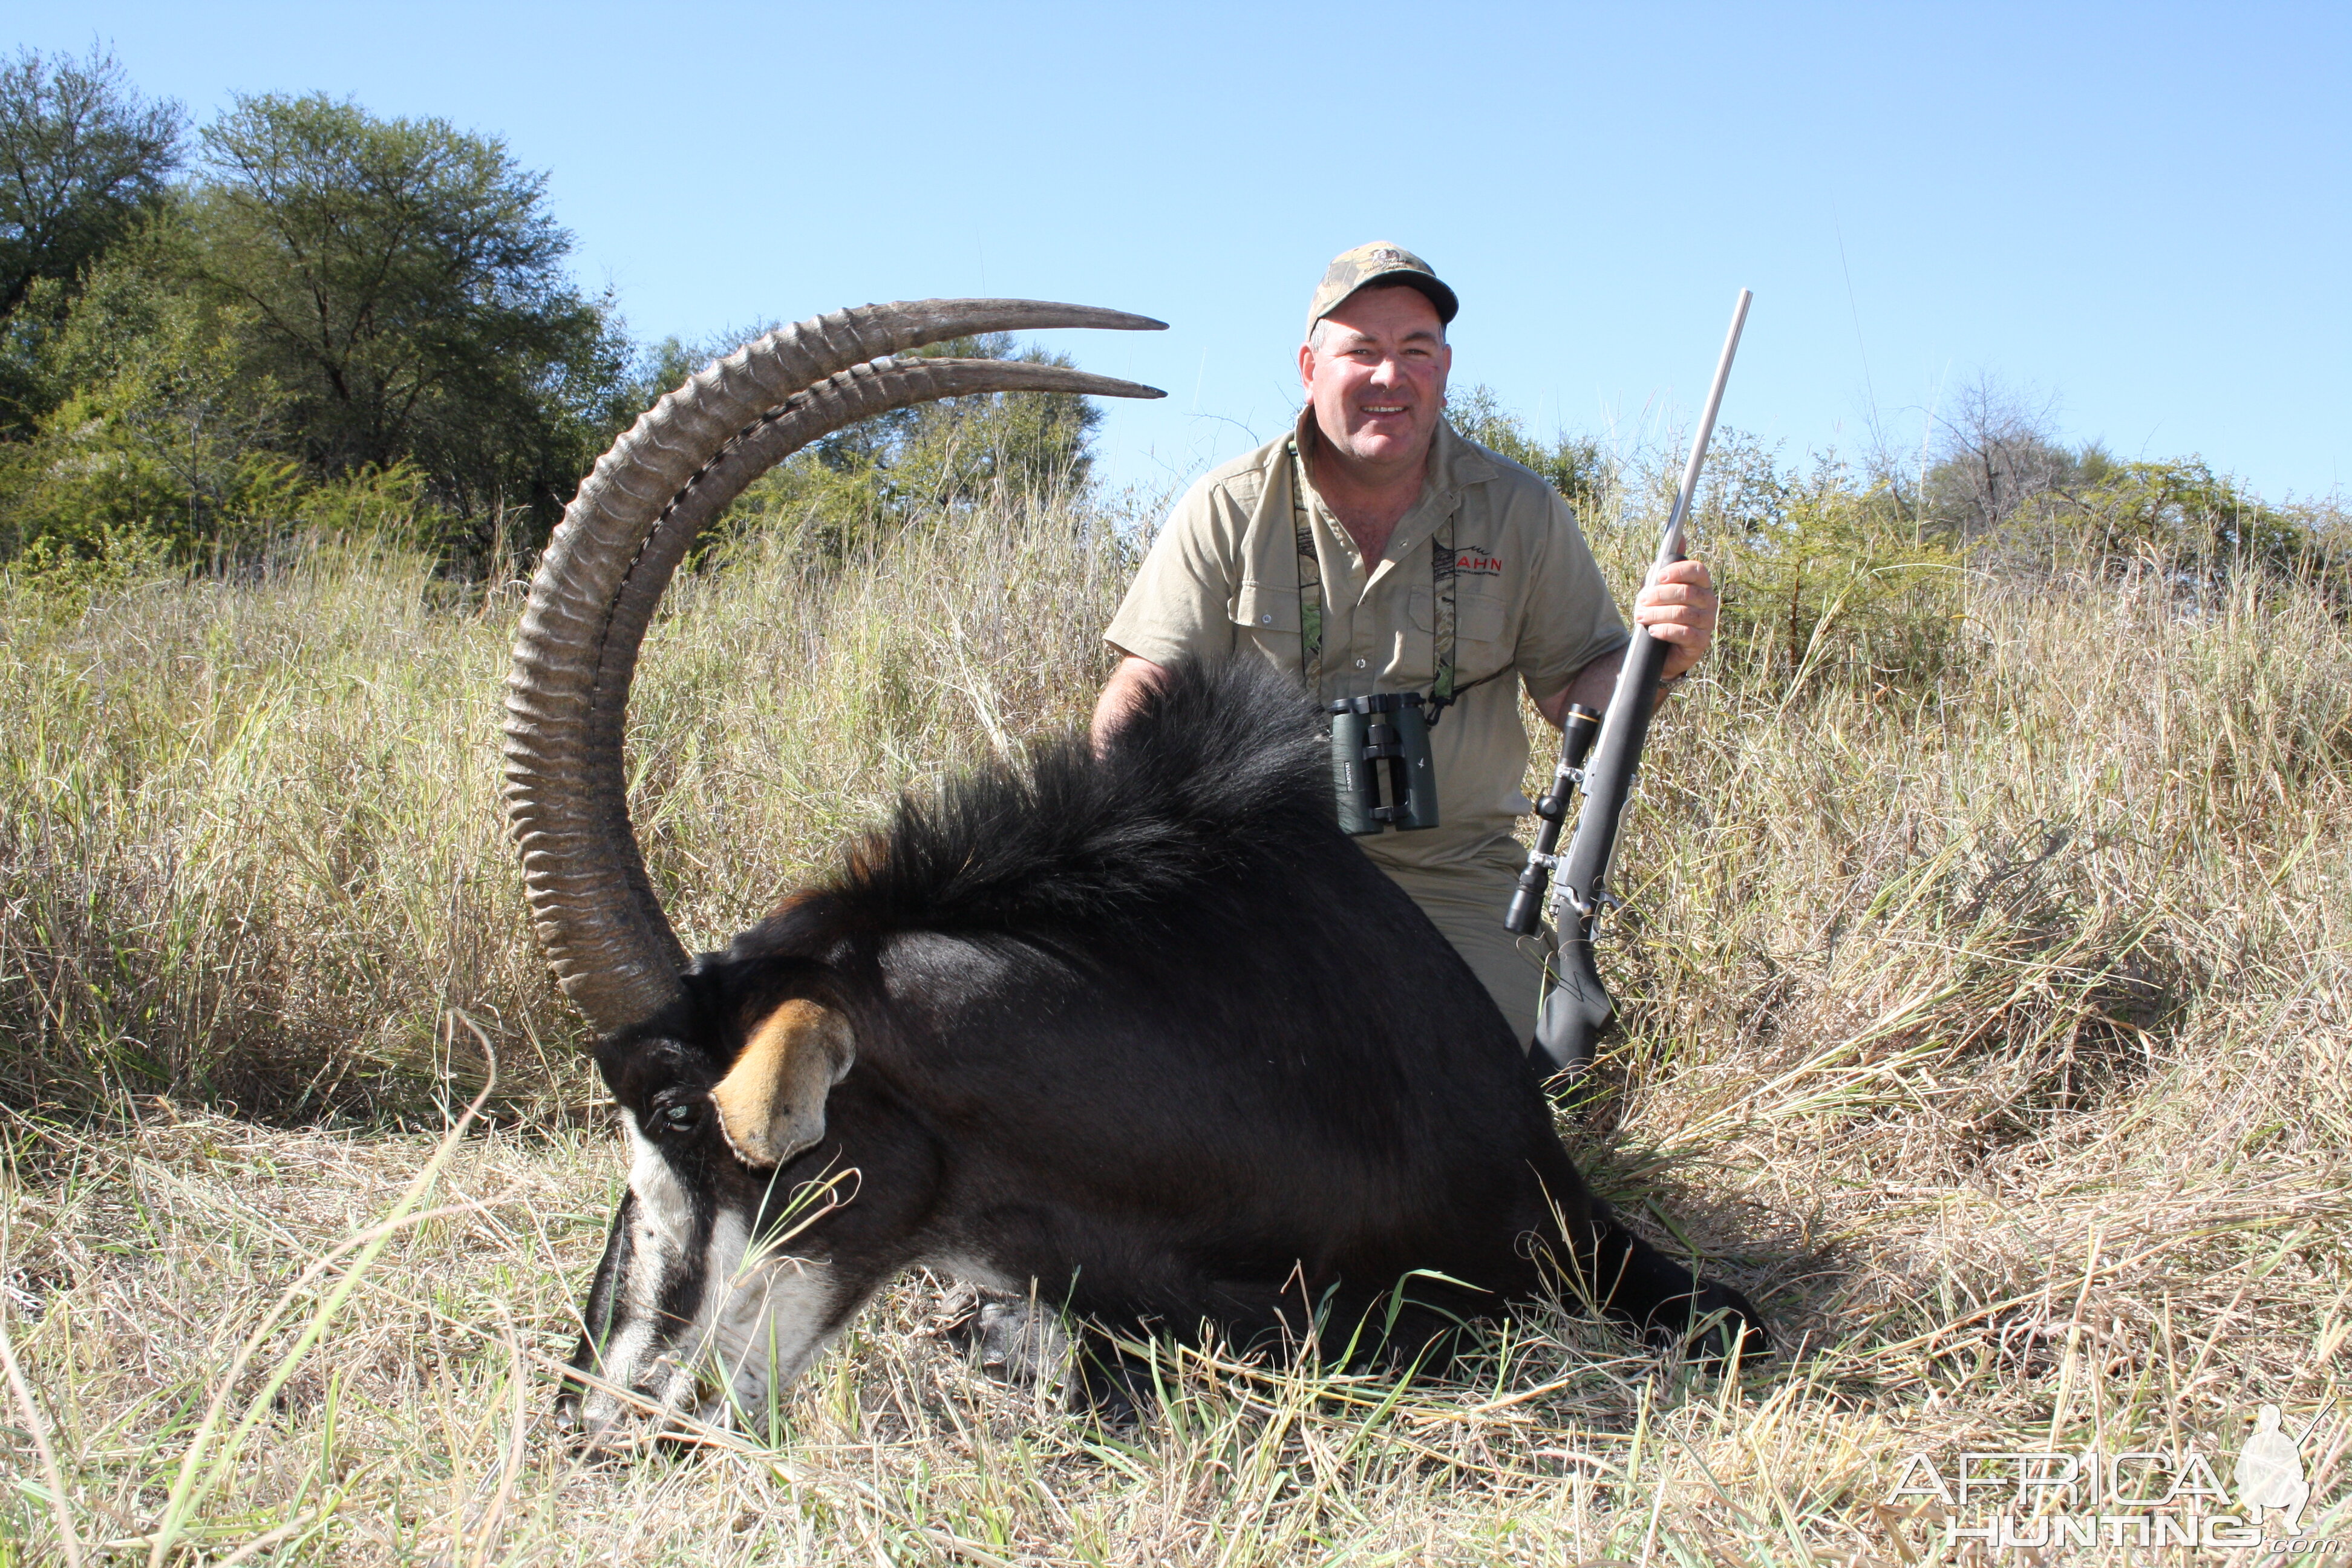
[915,467]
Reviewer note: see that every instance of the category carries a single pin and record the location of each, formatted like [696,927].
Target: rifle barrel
[1608,781]
[1670,547]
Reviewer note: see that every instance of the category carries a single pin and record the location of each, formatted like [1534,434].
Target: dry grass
[1990,1031]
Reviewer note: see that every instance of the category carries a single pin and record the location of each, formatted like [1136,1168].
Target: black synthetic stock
[1578,1007]
[1608,775]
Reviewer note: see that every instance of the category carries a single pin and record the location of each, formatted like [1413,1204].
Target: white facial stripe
[763,1320]
[603,1405]
[661,1228]
[660,1196]
[769,1319]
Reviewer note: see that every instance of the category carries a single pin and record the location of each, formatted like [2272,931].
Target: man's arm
[1679,606]
[1122,693]
[1180,602]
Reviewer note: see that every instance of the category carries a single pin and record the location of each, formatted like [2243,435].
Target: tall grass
[1987,1020]
[254,848]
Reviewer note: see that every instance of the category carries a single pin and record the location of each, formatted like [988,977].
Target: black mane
[1220,775]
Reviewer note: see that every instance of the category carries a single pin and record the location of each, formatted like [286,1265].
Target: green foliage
[401,282]
[336,307]
[83,161]
[62,575]
[915,467]
[2181,512]
[165,432]
[338,303]
[1818,571]
[166,435]
[1572,465]
[2023,501]
[1824,571]
[378,509]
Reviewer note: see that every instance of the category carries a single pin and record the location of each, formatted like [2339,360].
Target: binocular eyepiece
[1380,743]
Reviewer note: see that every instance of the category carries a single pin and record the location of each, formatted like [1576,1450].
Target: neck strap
[1442,575]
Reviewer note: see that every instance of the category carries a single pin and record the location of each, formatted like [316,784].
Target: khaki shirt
[1221,580]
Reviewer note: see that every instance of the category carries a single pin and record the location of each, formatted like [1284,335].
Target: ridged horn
[637,512]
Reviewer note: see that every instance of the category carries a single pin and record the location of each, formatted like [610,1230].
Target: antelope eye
[678,1115]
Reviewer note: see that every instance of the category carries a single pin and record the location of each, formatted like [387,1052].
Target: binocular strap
[1443,569]
[1310,580]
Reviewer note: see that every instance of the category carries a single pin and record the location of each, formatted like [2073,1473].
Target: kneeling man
[1372,549]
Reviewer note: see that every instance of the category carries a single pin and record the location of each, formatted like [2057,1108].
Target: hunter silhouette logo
[2270,1472]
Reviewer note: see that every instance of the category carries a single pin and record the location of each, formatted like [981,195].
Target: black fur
[1147,1028]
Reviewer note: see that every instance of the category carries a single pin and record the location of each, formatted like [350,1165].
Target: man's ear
[771,1102]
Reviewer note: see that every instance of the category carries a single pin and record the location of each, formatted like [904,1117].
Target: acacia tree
[83,161]
[404,288]
[2000,457]
[82,158]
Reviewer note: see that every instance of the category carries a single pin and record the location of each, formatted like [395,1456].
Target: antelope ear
[771,1102]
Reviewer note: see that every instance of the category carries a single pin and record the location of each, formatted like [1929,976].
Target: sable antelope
[1141,1028]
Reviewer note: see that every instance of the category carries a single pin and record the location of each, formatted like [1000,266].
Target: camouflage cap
[1352,270]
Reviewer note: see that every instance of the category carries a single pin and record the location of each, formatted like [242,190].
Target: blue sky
[2140,213]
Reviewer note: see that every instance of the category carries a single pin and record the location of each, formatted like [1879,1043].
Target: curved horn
[637,513]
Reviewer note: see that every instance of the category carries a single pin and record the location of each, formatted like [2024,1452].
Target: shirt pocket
[1268,609]
[1478,618]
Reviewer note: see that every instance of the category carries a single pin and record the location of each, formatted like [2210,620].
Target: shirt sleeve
[1572,620]
[1181,599]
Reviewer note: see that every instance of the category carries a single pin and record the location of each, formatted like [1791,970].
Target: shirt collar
[1453,464]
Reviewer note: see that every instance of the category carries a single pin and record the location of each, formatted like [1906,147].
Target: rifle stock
[1576,1007]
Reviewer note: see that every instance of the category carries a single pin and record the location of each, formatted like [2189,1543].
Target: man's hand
[1679,606]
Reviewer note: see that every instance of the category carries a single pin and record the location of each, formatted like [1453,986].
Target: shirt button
[1266,620]
[1359,664]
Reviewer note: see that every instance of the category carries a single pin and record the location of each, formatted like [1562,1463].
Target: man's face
[1376,376]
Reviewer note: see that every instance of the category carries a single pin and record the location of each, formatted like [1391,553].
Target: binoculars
[1381,769]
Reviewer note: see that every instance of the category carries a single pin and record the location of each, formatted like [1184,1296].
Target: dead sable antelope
[1141,1030]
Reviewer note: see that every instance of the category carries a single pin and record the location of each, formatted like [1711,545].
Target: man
[1372,549]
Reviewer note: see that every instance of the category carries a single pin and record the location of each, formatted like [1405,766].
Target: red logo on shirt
[1478,564]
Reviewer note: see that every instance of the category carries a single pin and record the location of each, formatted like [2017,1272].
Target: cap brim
[1439,294]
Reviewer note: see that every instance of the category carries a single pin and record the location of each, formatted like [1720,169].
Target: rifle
[1576,1006]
